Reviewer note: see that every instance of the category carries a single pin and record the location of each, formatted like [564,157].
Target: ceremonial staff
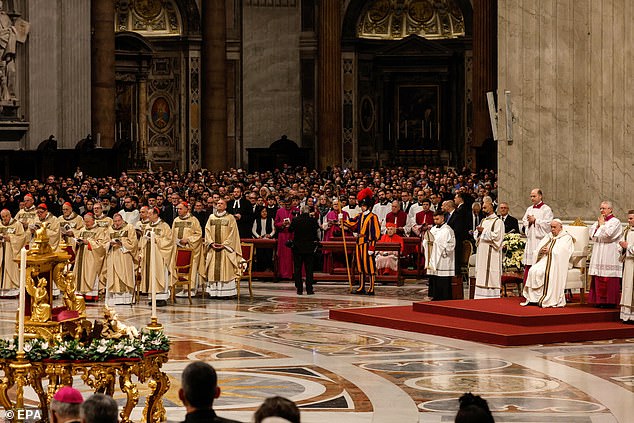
[345,249]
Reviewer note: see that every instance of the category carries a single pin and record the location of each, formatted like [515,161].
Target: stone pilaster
[103,71]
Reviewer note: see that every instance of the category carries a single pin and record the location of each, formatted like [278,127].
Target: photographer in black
[305,243]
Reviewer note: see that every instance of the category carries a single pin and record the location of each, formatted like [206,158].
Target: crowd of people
[134,226]
[199,389]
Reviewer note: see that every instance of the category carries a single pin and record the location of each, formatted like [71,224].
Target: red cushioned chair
[183,272]
[247,255]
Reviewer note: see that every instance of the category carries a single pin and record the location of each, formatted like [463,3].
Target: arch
[355,9]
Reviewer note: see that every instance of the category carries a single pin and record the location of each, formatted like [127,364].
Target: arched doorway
[407,82]
[158,82]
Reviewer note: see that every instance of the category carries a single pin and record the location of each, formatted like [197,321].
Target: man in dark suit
[511,225]
[240,208]
[199,389]
[460,222]
[305,229]
[169,213]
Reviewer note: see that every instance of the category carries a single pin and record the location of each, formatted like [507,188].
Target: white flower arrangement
[514,245]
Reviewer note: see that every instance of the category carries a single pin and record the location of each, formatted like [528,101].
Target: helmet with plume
[366,197]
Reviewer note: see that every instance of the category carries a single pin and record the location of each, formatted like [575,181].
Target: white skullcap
[558,221]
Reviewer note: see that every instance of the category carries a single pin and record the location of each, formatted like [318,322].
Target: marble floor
[279,343]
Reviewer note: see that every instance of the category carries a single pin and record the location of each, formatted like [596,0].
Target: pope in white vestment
[546,282]
[489,238]
[627,293]
[536,222]
[440,246]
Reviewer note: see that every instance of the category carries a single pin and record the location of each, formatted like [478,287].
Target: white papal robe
[627,293]
[537,231]
[489,258]
[546,281]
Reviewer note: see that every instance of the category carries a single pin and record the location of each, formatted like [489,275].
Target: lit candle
[22,300]
[153,274]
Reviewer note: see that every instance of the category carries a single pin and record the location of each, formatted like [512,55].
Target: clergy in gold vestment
[162,249]
[70,222]
[187,235]
[52,228]
[222,264]
[12,239]
[122,251]
[26,215]
[90,250]
[489,237]
[627,255]
[103,222]
[546,282]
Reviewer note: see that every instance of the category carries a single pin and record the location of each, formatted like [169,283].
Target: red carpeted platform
[500,321]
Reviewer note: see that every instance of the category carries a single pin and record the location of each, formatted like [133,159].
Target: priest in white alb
[605,267]
[546,282]
[489,237]
[627,255]
[440,249]
[536,222]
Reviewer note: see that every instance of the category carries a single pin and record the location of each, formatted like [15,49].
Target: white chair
[577,272]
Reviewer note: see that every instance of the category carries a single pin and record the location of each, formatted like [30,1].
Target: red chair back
[246,251]
[183,260]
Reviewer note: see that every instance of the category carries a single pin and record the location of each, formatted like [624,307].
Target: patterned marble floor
[281,344]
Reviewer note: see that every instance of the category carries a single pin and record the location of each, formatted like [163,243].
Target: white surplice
[489,258]
[546,280]
[537,231]
[627,292]
[606,249]
[440,248]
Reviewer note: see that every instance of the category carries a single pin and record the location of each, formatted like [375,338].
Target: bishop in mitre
[159,254]
[12,239]
[120,258]
[90,250]
[546,281]
[188,235]
[224,254]
[627,256]
[489,237]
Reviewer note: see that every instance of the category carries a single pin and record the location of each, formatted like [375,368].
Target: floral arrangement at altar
[513,246]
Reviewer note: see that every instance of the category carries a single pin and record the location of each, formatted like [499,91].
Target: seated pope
[546,280]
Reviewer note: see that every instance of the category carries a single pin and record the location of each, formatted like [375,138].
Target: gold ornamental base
[102,377]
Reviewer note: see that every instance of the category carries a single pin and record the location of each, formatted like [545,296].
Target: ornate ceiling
[151,18]
[396,19]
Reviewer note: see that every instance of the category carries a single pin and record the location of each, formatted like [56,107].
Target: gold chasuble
[122,252]
[188,229]
[162,251]
[73,223]
[26,217]
[11,250]
[90,250]
[222,265]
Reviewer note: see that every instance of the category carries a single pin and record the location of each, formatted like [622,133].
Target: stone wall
[56,96]
[271,72]
[568,65]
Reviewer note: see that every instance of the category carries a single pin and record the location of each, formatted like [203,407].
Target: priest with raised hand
[546,282]
[224,253]
[489,237]
[162,250]
[439,245]
[12,239]
[120,262]
[536,223]
[627,256]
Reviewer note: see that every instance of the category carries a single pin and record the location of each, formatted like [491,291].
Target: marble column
[142,135]
[484,66]
[329,85]
[214,86]
[103,71]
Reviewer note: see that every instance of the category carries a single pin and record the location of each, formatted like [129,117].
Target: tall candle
[153,274]
[22,300]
